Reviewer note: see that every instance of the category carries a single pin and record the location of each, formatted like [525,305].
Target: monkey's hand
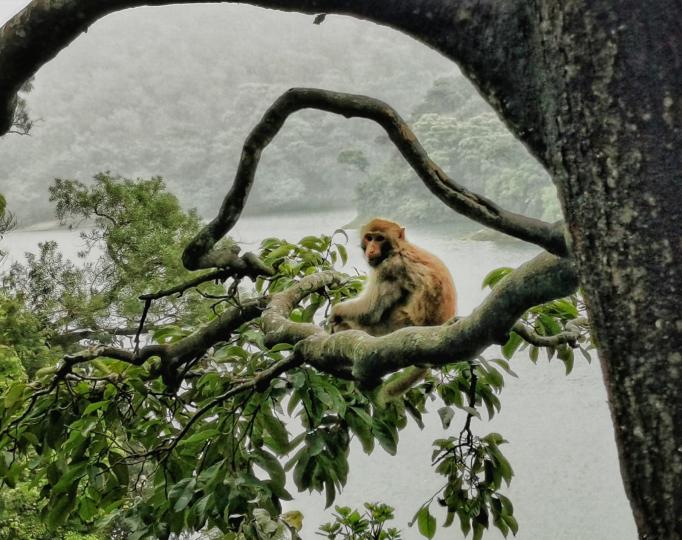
[338,321]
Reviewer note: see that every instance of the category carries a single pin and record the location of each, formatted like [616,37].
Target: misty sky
[9,8]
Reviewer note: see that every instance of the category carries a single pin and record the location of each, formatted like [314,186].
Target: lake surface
[567,483]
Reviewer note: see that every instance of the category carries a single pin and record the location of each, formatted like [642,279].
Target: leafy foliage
[110,443]
[20,518]
[350,524]
[133,246]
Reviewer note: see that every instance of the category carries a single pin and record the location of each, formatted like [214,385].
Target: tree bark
[593,90]
[614,95]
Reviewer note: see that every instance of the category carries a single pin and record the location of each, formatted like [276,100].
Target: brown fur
[408,285]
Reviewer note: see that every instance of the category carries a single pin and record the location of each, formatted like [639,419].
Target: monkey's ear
[401,234]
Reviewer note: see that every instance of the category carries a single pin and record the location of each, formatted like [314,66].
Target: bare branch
[199,254]
[216,275]
[571,337]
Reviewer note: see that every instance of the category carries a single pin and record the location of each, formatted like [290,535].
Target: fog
[173,91]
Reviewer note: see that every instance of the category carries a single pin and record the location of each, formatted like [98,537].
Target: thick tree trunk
[615,153]
[593,89]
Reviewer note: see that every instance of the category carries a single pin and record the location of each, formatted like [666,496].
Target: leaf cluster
[350,524]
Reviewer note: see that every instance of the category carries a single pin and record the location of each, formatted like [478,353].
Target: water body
[567,482]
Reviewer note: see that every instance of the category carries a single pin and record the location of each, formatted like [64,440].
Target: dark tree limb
[175,355]
[36,35]
[199,254]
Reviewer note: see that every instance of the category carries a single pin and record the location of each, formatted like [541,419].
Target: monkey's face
[376,247]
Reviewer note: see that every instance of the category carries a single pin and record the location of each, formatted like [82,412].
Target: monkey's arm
[370,307]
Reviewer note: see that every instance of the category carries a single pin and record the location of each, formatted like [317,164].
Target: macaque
[407,286]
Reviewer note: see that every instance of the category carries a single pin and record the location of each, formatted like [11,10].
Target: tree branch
[356,355]
[571,337]
[511,79]
[217,275]
[73,336]
[199,254]
[174,355]
[544,278]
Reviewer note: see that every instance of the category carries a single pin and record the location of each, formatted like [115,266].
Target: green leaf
[511,521]
[494,277]
[565,354]
[14,394]
[534,353]
[509,348]
[87,509]
[70,478]
[200,436]
[505,366]
[386,434]
[446,415]
[182,493]
[566,308]
[550,325]
[60,509]
[479,529]
[426,523]
[330,493]
[343,253]
[94,407]
[361,428]
[279,435]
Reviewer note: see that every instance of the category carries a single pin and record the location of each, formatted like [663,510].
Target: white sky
[9,8]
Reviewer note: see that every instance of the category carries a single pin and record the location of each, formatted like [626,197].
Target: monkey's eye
[379,238]
[368,238]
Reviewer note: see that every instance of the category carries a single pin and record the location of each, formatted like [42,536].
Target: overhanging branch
[199,253]
[485,46]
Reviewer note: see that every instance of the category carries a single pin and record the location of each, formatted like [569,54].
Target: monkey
[407,286]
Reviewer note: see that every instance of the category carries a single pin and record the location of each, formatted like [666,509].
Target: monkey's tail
[400,383]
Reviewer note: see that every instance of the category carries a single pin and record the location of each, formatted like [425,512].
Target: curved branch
[544,278]
[198,253]
[276,323]
[280,329]
[36,35]
[356,355]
